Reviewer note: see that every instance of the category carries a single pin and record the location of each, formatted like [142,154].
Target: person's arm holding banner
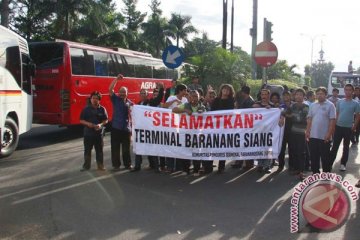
[181,109]
[281,120]
[169,103]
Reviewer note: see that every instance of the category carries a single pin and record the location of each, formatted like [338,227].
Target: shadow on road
[43,135]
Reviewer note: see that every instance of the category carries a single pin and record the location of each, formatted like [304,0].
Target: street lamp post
[312,38]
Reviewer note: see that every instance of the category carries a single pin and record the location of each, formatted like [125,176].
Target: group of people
[313,130]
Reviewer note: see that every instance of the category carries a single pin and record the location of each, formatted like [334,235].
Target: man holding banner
[234,134]
[172,102]
[194,106]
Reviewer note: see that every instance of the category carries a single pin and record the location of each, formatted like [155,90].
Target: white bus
[16,71]
[340,79]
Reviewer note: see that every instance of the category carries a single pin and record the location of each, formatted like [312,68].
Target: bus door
[51,98]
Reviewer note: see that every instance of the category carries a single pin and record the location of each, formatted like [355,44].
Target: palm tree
[156,34]
[67,14]
[133,20]
[101,26]
[181,27]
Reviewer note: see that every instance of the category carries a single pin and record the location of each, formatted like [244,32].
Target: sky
[297,26]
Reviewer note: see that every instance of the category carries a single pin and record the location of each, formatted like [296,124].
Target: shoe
[294,172]
[84,169]
[301,176]
[115,169]
[101,167]
[267,170]
[248,166]
[358,184]
[342,167]
[136,169]
[280,168]
[196,174]
[236,165]
[128,167]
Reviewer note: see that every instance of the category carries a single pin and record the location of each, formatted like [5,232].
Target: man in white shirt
[178,98]
[172,102]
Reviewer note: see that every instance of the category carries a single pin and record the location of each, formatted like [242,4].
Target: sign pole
[264,77]
[253,33]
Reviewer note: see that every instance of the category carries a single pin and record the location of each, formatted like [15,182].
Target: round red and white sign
[266,54]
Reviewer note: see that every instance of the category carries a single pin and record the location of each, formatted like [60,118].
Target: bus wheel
[10,138]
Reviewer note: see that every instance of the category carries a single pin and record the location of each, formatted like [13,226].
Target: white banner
[239,134]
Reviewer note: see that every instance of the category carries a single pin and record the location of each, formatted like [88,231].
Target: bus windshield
[49,55]
[339,80]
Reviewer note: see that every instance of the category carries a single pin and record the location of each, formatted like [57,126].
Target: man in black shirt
[93,117]
[245,101]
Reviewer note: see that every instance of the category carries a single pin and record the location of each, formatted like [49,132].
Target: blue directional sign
[173,57]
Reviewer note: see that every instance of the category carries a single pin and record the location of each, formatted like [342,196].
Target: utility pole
[267,37]
[224,23]
[232,27]
[253,34]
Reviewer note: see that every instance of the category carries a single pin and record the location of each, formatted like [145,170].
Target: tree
[320,73]
[67,15]
[199,46]
[181,27]
[133,19]
[156,31]
[281,70]
[219,66]
[307,80]
[155,8]
[101,26]
[5,12]
[33,19]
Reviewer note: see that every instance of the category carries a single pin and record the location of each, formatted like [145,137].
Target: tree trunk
[66,27]
[5,12]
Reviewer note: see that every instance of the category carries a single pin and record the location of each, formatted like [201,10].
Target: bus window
[49,55]
[115,65]
[129,66]
[82,62]
[335,82]
[159,72]
[356,81]
[13,63]
[101,64]
[27,73]
[171,74]
[143,69]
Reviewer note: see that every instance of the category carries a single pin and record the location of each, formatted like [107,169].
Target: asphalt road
[43,195]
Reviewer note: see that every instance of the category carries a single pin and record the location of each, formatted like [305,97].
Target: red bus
[67,72]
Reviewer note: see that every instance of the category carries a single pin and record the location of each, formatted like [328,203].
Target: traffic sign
[173,57]
[266,54]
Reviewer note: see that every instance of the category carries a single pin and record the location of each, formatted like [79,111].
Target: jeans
[319,149]
[153,162]
[281,157]
[90,142]
[120,137]
[298,147]
[340,134]
[264,163]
